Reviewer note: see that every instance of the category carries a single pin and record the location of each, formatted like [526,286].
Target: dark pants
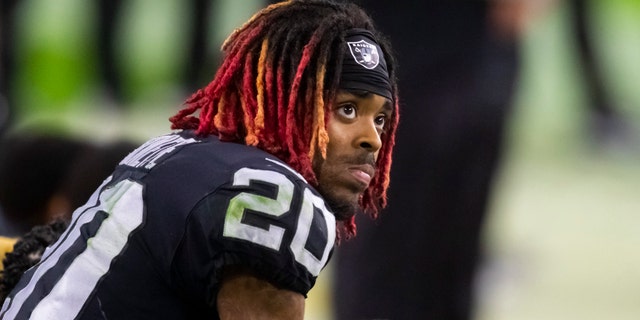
[594,81]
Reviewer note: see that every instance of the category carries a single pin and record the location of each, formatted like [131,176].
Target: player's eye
[380,121]
[347,111]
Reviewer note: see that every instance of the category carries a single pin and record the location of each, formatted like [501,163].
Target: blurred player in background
[459,66]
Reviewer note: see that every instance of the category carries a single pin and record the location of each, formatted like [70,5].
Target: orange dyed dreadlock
[280,73]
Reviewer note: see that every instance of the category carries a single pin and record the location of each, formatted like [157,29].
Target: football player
[235,213]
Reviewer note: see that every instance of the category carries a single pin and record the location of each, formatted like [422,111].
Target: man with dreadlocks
[234,214]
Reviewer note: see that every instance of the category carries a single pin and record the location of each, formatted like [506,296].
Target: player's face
[356,122]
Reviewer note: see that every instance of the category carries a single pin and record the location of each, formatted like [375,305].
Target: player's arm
[243,295]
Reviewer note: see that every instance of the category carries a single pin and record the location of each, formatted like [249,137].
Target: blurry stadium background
[563,233]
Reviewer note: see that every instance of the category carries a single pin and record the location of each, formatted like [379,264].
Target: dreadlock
[27,252]
[274,88]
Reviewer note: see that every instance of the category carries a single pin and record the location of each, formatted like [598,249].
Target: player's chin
[343,215]
[343,208]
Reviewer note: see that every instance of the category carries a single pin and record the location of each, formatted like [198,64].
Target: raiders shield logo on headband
[364,53]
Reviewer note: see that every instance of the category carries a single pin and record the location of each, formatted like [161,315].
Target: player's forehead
[383,103]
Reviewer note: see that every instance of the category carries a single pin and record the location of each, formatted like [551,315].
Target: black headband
[364,67]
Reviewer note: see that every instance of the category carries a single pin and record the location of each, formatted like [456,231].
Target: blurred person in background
[32,169]
[608,126]
[109,17]
[84,175]
[89,170]
[459,65]
[44,177]
[199,61]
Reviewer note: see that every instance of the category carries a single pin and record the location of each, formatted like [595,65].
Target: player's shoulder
[181,169]
[185,151]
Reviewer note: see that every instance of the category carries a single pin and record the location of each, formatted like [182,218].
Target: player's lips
[362,174]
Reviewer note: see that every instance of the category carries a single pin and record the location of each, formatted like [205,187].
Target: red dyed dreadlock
[280,72]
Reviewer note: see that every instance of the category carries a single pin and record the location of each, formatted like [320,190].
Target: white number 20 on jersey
[271,237]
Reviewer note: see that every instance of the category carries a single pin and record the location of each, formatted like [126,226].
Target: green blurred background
[563,232]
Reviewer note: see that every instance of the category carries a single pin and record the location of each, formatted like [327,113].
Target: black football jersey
[152,241]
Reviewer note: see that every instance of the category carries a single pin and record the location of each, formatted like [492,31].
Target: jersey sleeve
[264,218]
